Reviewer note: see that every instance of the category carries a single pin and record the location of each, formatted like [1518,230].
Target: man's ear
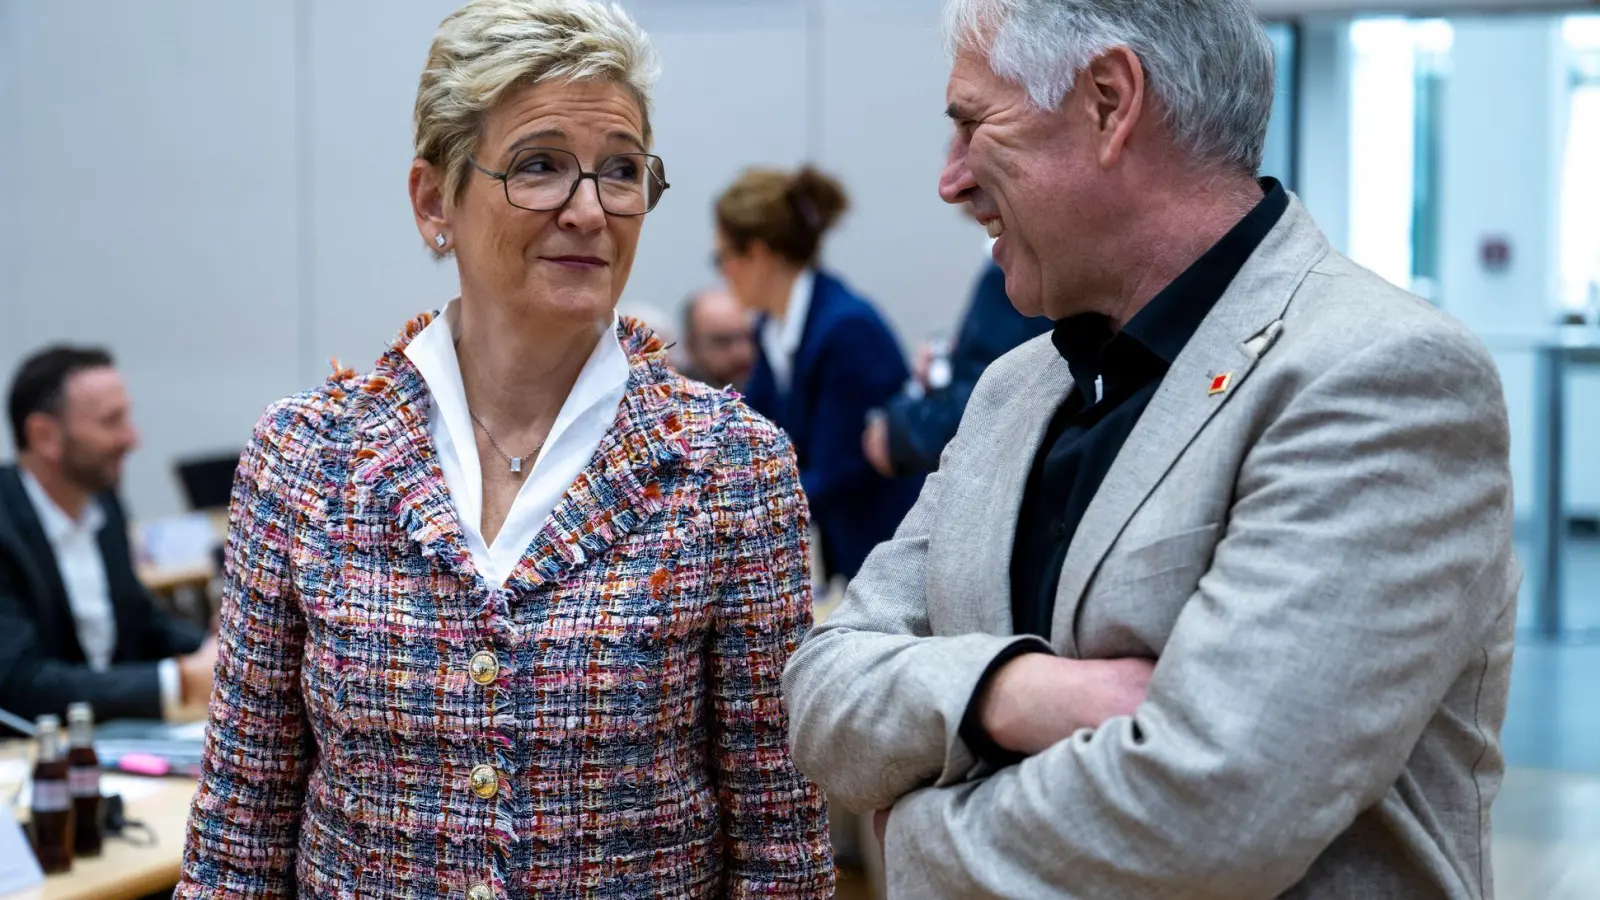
[1112,89]
[45,435]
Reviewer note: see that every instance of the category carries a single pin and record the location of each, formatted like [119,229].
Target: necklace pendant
[516,464]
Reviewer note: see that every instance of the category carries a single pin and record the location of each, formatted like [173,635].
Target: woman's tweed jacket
[635,724]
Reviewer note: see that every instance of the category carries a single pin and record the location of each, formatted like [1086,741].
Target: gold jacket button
[485,667]
[480,891]
[485,781]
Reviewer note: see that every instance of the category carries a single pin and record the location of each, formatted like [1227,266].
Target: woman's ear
[426,183]
[759,255]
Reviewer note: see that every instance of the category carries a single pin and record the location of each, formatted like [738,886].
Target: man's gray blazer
[1318,556]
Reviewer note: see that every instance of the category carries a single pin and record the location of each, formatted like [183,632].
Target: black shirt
[1115,375]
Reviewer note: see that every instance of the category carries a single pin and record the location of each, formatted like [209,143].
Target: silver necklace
[515,461]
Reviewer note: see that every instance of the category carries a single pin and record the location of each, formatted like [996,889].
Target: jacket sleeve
[244,826]
[167,636]
[877,700]
[775,820]
[1365,571]
[32,684]
[862,369]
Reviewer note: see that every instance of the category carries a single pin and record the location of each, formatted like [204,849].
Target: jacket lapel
[396,466]
[800,398]
[1228,343]
[620,489]
[1013,452]
[38,561]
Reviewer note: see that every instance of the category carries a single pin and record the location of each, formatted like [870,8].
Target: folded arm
[875,700]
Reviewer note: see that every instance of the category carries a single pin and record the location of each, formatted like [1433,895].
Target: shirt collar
[1165,324]
[794,318]
[57,525]
[433,352]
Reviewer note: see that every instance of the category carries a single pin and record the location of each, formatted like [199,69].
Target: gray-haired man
[1213,594]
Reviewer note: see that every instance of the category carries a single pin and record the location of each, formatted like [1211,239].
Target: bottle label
[85,781]
[51,796]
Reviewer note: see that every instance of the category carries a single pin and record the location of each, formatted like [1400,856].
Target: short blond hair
[487,47]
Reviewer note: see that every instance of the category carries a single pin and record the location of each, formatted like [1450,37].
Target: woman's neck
[518,371]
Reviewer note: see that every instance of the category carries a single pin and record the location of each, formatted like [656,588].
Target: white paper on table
[131,787]
[179,541]
[189,731]
[18,869]
[14,771]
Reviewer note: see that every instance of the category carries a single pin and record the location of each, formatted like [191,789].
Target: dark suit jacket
[919,428]
[42,667]
[848,363]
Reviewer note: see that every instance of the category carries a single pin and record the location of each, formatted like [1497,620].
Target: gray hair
[487,47]
[1208,63]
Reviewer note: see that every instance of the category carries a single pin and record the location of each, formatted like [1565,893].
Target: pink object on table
[143,764]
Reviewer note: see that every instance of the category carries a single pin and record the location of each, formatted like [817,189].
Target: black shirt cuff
[977,737]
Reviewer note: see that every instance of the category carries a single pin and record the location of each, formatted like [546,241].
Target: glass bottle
[83,775]
[52,799]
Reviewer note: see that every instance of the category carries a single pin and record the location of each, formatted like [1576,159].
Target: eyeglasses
[541,179]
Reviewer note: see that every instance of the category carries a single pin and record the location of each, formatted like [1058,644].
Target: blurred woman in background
[827,358]
[507,617]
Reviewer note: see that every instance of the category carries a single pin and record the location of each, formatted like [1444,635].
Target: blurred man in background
[75,622]
[719,339]
[916,425]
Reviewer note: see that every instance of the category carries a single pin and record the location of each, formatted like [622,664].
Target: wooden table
[125,871]
[168,581]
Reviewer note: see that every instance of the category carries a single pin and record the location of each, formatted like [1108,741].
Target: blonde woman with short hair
[507,616]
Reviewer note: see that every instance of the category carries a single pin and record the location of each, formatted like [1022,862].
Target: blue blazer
[919,428]
[848,363]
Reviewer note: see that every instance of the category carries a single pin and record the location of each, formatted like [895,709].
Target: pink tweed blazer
[609,724]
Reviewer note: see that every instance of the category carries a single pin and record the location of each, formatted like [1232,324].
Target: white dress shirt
[587,414]
[76,545]
[780,338]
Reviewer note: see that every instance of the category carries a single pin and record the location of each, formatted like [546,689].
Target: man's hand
[1037,700]
[195,671]
[923,364]
[875,446]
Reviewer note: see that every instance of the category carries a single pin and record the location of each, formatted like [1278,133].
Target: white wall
[10,226]
[217,191]
[884,131]
[151,207]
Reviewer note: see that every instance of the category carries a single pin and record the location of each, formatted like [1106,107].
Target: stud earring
[438,241]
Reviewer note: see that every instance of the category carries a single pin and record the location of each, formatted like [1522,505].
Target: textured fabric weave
[636,722]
